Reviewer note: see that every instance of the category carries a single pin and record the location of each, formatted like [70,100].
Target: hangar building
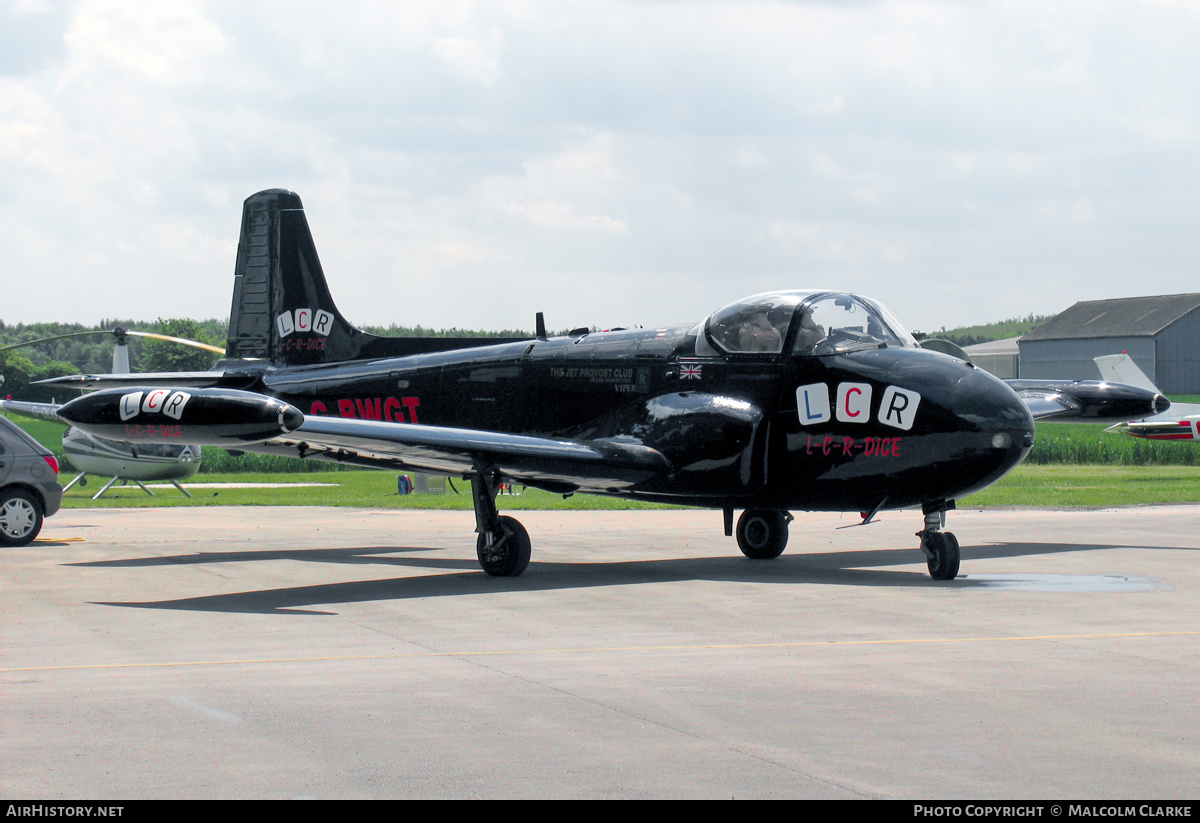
[999,357]
[1161,334]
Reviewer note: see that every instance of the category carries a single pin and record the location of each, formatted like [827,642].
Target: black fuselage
[900,426]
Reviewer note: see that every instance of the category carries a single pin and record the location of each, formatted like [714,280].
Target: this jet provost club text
[621,379]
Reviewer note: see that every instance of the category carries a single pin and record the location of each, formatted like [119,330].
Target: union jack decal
[689,372]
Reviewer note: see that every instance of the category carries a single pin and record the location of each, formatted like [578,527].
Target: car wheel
[20,518]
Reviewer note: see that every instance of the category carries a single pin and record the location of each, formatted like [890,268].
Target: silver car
[29,488]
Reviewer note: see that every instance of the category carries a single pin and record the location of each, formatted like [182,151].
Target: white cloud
[848,244]
[568,191]
[658,158]
[165,44]
[477,60]
[29,6]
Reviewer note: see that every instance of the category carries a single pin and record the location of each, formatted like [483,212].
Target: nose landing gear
[940,548]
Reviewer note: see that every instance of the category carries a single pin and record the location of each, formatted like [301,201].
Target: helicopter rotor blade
[182,340]
[56,337]
[118,333]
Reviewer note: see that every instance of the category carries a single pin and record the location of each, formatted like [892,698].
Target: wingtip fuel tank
[210,417]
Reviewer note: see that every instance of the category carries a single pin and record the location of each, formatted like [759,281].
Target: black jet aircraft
[781,402]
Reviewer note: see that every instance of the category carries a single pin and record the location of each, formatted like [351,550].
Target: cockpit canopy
[805,323]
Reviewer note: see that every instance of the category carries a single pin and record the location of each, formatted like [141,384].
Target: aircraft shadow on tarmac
[854,568]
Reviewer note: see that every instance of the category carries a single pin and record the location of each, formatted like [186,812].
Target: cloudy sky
[609,163]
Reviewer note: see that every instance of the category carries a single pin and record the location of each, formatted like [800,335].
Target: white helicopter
[128,462]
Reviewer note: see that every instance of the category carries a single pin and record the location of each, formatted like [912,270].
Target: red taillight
[52,460]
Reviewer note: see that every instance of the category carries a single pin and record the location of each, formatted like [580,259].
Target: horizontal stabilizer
[38,411]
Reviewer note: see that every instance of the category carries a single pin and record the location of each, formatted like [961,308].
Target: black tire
[509,555]
[20,517]
[762,534]
[943,562]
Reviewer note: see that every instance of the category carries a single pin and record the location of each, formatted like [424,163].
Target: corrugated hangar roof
[1124,317]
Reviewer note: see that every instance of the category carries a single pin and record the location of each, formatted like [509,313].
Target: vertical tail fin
[282,309]
[1120,368]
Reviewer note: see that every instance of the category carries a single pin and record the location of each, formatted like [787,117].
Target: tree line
[92,353]
[89,350]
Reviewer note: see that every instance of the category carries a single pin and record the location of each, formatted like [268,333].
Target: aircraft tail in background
[1120,368]
[1180,422]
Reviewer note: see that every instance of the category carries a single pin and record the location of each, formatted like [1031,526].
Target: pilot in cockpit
[809,334]
[759,334]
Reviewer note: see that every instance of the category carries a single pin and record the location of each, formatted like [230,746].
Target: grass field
[1090,487]
[364,488]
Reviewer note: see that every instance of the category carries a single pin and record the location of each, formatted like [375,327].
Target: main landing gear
[940,548]
[503,546]
[762,534]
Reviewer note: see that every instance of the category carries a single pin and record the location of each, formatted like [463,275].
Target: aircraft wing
[242,421]
[554,464]
[41,411]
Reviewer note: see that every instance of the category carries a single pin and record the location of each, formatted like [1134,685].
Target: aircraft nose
[995,411]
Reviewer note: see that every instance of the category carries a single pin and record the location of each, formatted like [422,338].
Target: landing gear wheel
[943,555]
[20,518]
[509,553]
[762,534]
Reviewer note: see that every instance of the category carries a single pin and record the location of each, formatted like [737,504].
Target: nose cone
[988,403]
[997,422]
[290,418]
